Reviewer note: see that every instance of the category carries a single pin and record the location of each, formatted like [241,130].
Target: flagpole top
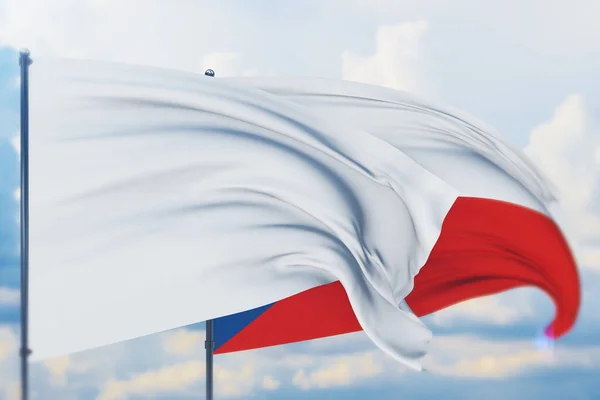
[209,72]
[24,54]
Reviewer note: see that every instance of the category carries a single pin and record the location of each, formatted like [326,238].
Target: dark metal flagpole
[24,63]
[209,344]
[210,347]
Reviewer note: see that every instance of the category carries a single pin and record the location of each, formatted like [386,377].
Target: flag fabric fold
[160,199]
[502,232]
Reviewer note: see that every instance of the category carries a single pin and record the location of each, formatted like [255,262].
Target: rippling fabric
[522,248]
[160,199]
[465,152]
[501,233]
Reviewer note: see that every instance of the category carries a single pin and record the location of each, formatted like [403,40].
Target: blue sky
[532,72]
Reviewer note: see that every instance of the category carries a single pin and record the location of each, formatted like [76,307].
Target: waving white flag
[160,199]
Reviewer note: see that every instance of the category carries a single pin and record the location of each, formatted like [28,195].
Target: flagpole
[24,63]
[209,344]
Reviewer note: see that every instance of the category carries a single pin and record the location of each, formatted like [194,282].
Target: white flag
[160,199]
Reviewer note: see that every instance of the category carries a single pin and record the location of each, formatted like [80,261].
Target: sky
[530,68]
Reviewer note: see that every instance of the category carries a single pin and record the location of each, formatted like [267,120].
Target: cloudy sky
[531,68]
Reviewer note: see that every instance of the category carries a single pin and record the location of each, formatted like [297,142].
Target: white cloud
[182,341]
[342,370]
[590,257]
[236,381]
[9,297]
[396,62]
[58,368]
[495,310]
[8,343]
[554,27]
[168,379]
[472,357]
[563,147]
[231,381]
[270,383]
[16,143]
[9,385]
